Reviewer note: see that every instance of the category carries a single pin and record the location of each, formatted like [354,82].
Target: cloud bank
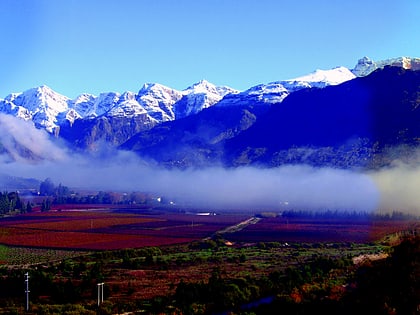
[298,187]
[21,139]
[399,187]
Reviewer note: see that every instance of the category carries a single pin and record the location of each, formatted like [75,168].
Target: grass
[131,275]
[20,256]
[4,250]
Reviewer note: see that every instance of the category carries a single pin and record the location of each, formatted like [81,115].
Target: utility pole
[27,290]
[100,293]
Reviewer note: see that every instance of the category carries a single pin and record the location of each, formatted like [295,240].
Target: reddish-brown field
[100,229]
[311,230]
[103,230]
[97,229]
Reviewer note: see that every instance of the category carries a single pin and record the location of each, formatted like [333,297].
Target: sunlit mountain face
[340,130]
[339,117]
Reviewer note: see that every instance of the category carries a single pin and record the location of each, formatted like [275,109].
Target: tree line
[10,202]
[348,215]
[64,195]
[322,285]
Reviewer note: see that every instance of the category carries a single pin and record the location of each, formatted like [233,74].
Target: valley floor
[222,267]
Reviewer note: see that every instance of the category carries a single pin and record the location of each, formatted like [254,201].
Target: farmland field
[146,257]
[107,230]
[320,230]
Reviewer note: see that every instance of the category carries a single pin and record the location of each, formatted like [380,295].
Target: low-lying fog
[286,187]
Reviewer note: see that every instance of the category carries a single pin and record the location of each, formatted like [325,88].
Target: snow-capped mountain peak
[276,92]
[200,86]
[199,96]
[321,78]
[155,89]
[158,103]
[41,104]
[204,86]
[49,110]
[43,96]
[365,65]
[83,105]
[127,106]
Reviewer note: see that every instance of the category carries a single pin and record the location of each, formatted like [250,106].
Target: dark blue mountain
[365,122]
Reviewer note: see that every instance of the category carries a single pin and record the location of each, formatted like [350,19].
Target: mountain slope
[50,110]
[42,105]
[276,92]
[196,140]
[343,125]
[366,66]
[365,122]
[113,118]
[352,124]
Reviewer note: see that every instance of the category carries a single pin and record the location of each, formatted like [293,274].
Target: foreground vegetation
[333,263]
[213,276]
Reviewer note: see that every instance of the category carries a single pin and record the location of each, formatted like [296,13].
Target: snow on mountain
[164,104]
[83,105]
[127,106]
[49,110]
[199,96]
[320,79]
[103,103]
[263,93]
[276,92]
[40,104]
[205,87]
[158,101]
[365,66]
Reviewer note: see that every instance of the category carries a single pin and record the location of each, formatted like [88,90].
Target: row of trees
[63,195]
[388,286]
[221,293]
[10,202]
[347,215]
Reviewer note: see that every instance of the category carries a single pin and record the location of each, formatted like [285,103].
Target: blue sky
[77,46]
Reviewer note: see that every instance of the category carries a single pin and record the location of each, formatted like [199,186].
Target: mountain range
[338,117]
[368,122]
